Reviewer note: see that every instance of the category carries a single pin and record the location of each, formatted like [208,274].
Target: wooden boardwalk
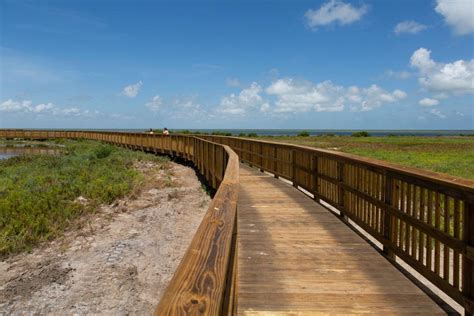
[297,258]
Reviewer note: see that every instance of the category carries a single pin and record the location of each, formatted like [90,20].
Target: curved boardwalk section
[295,257]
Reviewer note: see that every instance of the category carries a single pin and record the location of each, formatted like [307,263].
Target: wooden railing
[203,283]
[424,218]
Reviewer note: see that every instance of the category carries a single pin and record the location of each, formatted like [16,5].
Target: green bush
[360,134]
[303,134]
[220,133]
[38,193]
[103,151]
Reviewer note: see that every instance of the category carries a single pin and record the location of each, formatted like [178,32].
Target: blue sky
[237,64]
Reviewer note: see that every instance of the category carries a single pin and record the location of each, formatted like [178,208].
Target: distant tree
[303,134]
[360,134]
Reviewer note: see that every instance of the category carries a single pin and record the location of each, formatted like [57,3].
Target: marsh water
[19,150]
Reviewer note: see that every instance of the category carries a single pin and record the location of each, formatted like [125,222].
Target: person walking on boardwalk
[166,132]
[151,132]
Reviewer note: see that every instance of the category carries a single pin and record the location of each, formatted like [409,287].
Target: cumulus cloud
[334,11]
[456,77]
[155,103]
[374,97]
[402,75]
[232,82]
[49,109]
[293,96]
[302,96]
[428,102]
[437,113]
[187,107]
[409,27]
[459,14]
[15,106]
[248,100]
[132,90]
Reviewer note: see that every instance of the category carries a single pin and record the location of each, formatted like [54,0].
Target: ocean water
[312,132]
[338,132]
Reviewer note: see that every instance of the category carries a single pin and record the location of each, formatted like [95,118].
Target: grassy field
[453,155]
[38,194]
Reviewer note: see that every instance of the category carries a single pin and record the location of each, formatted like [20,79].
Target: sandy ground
[119,262]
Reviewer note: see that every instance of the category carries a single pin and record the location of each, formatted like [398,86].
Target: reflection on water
[8,152]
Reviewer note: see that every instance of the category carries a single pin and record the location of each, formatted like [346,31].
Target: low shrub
[38,194]
[360,134]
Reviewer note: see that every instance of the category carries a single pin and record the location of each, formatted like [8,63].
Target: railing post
[293,168]
[314,177]
[468,264]
[387,227]
[340,189]
[261,157]
[275,162]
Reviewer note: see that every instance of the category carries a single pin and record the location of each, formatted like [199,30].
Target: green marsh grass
[452,155]
[38,193]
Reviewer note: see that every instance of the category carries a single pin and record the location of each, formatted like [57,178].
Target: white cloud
[187,107]
[232,82]
[303,96]
[428,102]
[74,112]
[43,107]
[398,74]
[26,107]
[155,103]
[293,96]
[15,106]
[410,27]
[374,97]
[334,11]
[459,14]
[456,77]
[437,113]
[247,100]
[132,90]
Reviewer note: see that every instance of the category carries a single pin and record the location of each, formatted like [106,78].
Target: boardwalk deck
[295,257]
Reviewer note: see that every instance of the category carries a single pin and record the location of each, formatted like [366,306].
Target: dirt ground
[119,262]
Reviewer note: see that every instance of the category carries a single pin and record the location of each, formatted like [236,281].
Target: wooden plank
[295,256]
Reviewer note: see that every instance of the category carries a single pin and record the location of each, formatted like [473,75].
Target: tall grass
[453,155]
[38,193]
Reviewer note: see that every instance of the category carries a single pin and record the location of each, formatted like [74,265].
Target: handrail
[204,281]
[423,217]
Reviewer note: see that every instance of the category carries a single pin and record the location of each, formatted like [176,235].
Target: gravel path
[119,262]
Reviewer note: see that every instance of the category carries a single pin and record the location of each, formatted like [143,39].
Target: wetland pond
[8,151]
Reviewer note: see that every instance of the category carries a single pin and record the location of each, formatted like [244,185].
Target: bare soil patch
[119,260]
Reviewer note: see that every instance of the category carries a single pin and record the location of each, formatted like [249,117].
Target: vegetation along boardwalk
[266,247]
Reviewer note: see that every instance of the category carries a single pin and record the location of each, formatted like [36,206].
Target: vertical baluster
[437,225]
[388,220]
[457,235]
[429,242]
[447,250]
[421,239]
[396,203]
[402,208]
